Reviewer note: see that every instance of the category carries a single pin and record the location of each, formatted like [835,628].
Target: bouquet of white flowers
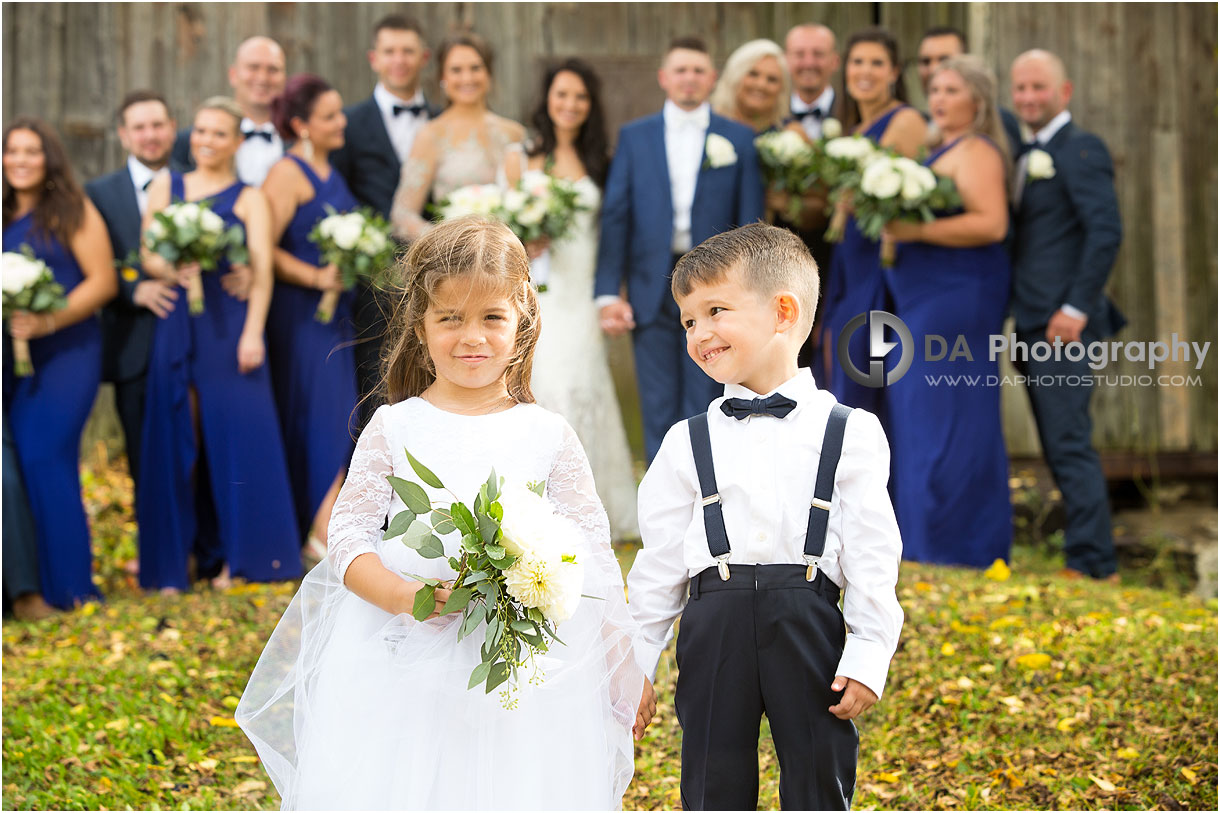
[539,207]
[844,159]
[789,163]
[476,199]
[358,243]
[893,187]
[30,286]
[185,233]
[517,571]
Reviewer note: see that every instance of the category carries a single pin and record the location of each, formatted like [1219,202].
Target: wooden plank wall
[1144,75]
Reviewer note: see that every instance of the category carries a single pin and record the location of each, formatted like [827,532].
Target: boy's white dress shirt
[765,471]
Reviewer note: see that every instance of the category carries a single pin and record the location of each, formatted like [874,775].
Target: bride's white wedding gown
[571,374]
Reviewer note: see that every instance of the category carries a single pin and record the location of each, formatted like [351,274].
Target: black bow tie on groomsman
[414,109]
[816,112]
[776,405]
[264,134]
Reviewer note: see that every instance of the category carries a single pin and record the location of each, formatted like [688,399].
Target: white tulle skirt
[350,707]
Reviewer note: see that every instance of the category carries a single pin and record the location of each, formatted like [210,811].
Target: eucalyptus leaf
[424,579]
[412,494]
[488,528]
[431,548]
[494,551]
[398,526]
[423,472]
[472,544]
[493,487]
[458,600]
[494,628]
[463,518]
[499,674]
[472,621]
[417,534]
[425,603]
[479,674]
[523,626]
[442,523]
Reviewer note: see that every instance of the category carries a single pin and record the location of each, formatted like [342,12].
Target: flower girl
[354,703]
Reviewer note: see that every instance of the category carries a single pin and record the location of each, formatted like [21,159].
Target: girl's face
[465,76]
[567,101]
[950,101]
[327,122]
[759,88]
[25,164]
[870,72]
[470,330]
[214,139]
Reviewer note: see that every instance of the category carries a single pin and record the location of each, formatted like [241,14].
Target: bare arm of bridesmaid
[907,133]
[252,208]
[287,189]
[978,172]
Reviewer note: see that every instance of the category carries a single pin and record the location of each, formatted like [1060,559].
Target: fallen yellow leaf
[1108,787]
[117,725]
[243,758]
[947,649]
[249,786]
[223,722]
[998,572]
[1127,753]
[208,764]
[230,702]
[1190,775]
[1034,660]
[1066,723]
[923,587]
[886,776]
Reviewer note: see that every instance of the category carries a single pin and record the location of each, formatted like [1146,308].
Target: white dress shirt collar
[676,118]
[800,386]
[823,102]
[141,176]
[256,155]
[1052,127]
[387,100]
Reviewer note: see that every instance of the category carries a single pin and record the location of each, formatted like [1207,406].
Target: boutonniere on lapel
[1039,166]
[719,151]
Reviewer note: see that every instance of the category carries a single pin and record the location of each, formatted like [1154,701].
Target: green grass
[1031,692]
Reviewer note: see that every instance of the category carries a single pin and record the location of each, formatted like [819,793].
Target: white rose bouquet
[186,233]
[789,163]
[476,199]
[30,286]
[540,207]
[517,574]
[893,187]
[843,160]
[358,243]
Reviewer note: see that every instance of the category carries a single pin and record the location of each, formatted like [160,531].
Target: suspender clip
[811,566]
[712,500]
[722,564]
[823,504]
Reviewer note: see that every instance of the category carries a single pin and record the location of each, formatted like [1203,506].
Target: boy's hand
[648,707]
[857,698]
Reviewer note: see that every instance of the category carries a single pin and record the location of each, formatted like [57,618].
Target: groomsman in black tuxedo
[812,55]
[146,131]
[257,76]
[1067,234]
[941,43]
[378,139]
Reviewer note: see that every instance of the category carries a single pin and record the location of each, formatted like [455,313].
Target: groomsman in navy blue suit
[146,131]
[378,139]
[677,178]
[1067,234]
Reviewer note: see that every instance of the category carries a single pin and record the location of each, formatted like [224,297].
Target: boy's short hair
[768,259]
[688,43]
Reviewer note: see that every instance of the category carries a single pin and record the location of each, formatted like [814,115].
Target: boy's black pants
[764,642]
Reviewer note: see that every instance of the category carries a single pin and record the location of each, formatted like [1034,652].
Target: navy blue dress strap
[309,172]
[177,187]
[823,489]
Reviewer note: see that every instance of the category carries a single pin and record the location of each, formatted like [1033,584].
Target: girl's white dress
[351,707]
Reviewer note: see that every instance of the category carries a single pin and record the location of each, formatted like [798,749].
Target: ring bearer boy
[732,511]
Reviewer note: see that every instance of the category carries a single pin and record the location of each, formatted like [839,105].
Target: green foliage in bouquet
[513,632]
[183,233]
[34,288]
[367,257]
[789,164]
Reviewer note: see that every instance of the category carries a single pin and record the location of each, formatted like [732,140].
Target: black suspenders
[819,510]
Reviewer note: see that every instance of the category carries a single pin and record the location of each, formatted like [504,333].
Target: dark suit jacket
[1067,234]
[180,159]
[127,328]
[637,210]
[367,160]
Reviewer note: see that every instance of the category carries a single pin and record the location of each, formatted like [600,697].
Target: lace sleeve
[363,502]
[572,491]
[414,184]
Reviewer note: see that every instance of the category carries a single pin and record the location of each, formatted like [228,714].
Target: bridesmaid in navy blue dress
[875,108]
[313,366]
[46,210]
[950,467]
[215,461]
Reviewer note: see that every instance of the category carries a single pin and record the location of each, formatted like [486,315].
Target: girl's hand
[186,272]
[251,352]
[441,595]
[646,710]
[534,248]
[903,232]
[328,278]
[26,325]
[237,282]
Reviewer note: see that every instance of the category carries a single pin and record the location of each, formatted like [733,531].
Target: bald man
[1067,232]
[256,76]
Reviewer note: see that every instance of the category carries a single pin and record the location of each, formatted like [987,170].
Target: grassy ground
[1027,692]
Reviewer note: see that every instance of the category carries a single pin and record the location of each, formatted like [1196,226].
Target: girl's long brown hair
[60,210]
[466,246]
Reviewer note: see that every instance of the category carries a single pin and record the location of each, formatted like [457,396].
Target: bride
[571,375]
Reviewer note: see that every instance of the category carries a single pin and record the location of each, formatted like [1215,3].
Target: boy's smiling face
[739,336]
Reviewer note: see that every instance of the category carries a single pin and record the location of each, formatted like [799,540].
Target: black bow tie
[817,113]
[257,134]
[1025,147]
[741,408]
[147,184]
[414,109]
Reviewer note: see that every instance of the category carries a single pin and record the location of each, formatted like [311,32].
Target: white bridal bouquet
[844,159]
[30,286]
[358,243]
[476,199]
[184,233]
[893,187]
[517,573]
[789,163]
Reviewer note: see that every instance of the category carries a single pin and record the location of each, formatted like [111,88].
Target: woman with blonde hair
[951,278]
[754,86]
